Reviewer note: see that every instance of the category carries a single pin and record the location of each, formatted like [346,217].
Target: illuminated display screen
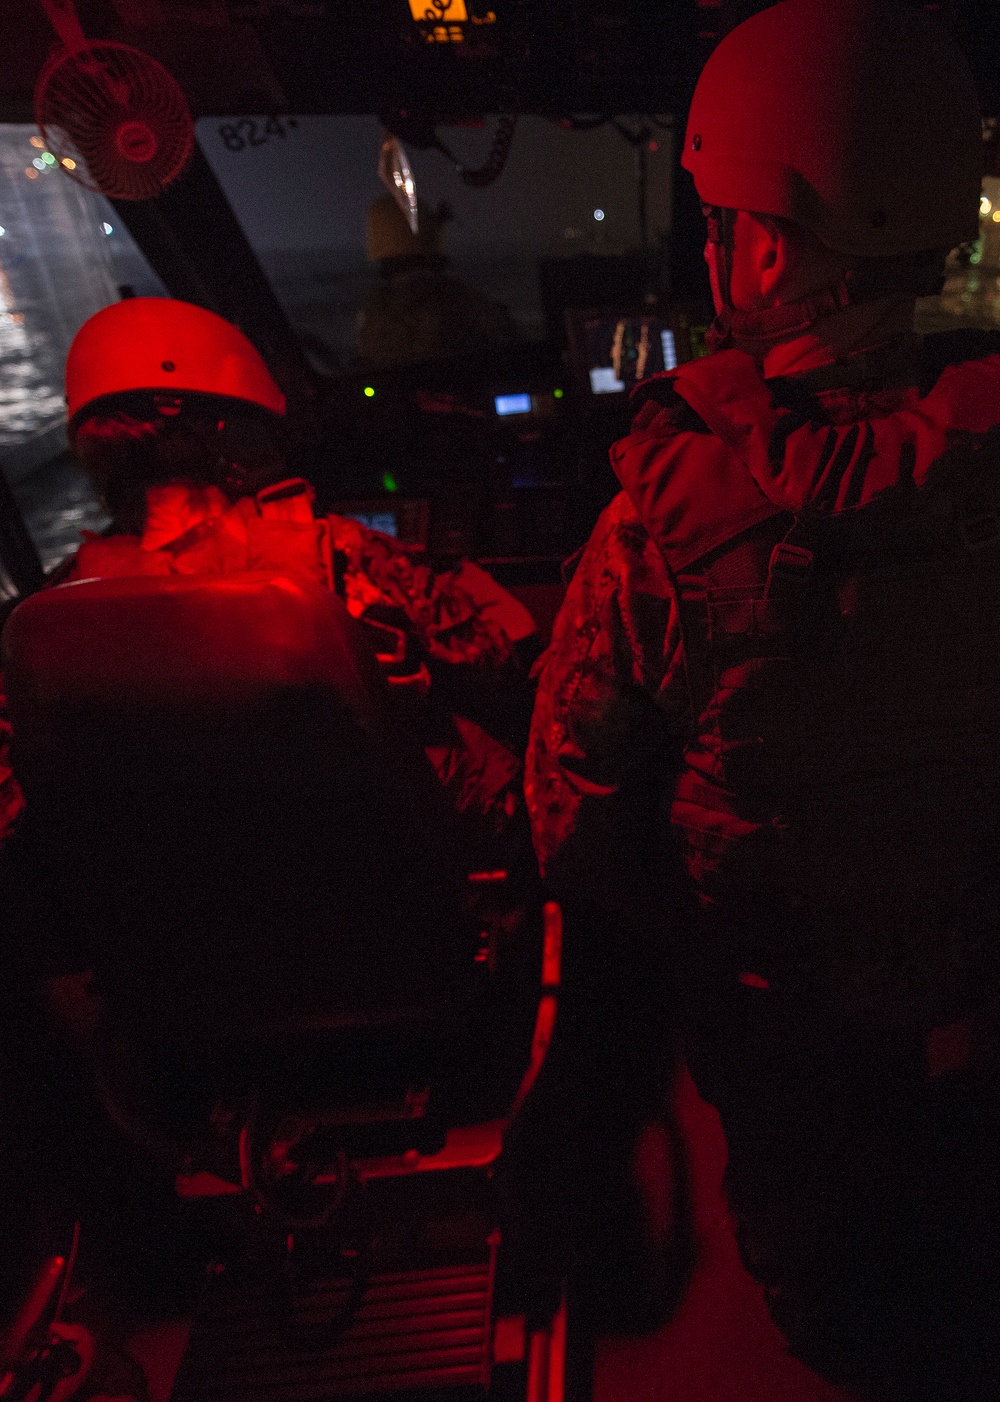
[384,521]
[512,403]
[403,518]
[446,10]
[622,350]
[669,350]
[603,380]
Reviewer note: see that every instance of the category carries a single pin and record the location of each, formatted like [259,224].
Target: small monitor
[403,518]
[669,344]
[512,403]
[603,380]
[615,351]
[383,521]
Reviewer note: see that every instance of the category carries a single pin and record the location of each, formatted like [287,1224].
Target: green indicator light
[369,392]
[557,394]
[48,158]
[389,482]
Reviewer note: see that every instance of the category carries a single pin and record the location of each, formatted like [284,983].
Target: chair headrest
[178,639]
[169,646]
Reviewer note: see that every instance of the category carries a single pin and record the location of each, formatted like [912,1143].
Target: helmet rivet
[168,365]
[879,219]
[696,142]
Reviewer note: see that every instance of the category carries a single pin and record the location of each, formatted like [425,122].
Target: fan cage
[118,116]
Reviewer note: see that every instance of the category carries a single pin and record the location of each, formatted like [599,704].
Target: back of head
[389,234]
[159,390]
[856,119]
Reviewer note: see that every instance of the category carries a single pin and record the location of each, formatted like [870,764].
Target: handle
[62,17]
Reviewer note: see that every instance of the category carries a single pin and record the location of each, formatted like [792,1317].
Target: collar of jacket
[175,509]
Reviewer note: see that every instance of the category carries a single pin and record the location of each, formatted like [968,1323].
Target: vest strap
[789,565]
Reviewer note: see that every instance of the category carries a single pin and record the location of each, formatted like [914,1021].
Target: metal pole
[18,556]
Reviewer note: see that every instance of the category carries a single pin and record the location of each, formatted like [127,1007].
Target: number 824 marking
[248,131]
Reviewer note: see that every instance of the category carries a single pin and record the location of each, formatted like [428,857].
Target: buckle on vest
[789,564]
[389,643]
[980,531]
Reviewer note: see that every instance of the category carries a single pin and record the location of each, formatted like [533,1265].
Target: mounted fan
[113,117]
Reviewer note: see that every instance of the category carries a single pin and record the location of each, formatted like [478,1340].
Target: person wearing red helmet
[765,753]
[179,424]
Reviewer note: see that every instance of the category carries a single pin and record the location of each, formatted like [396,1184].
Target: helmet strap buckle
[168,405]
[720,225]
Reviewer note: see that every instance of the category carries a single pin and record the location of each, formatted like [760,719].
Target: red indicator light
[552,932]
[753,981]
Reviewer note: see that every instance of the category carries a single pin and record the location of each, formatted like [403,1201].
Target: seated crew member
[766,733]
[179,424]
[419,311]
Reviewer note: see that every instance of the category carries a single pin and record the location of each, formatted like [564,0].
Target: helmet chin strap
[758,332]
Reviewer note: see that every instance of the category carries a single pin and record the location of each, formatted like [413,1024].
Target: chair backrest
[245,845]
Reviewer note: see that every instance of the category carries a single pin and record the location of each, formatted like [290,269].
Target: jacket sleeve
[609,720]
[797,461]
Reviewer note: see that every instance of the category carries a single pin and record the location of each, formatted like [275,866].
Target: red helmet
[155,343]
[857,119]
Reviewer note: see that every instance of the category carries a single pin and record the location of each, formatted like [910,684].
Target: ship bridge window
[302,188]
[63,256]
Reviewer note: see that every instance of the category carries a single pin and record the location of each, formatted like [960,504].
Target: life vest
[837,562]
[456,614]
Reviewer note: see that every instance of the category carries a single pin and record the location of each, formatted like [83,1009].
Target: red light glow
[753,981]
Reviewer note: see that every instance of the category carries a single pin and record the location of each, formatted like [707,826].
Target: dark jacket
[767,743]
[693,677]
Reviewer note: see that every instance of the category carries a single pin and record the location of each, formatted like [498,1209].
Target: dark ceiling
[318,56]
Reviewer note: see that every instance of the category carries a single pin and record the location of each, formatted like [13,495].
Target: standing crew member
[767,735]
